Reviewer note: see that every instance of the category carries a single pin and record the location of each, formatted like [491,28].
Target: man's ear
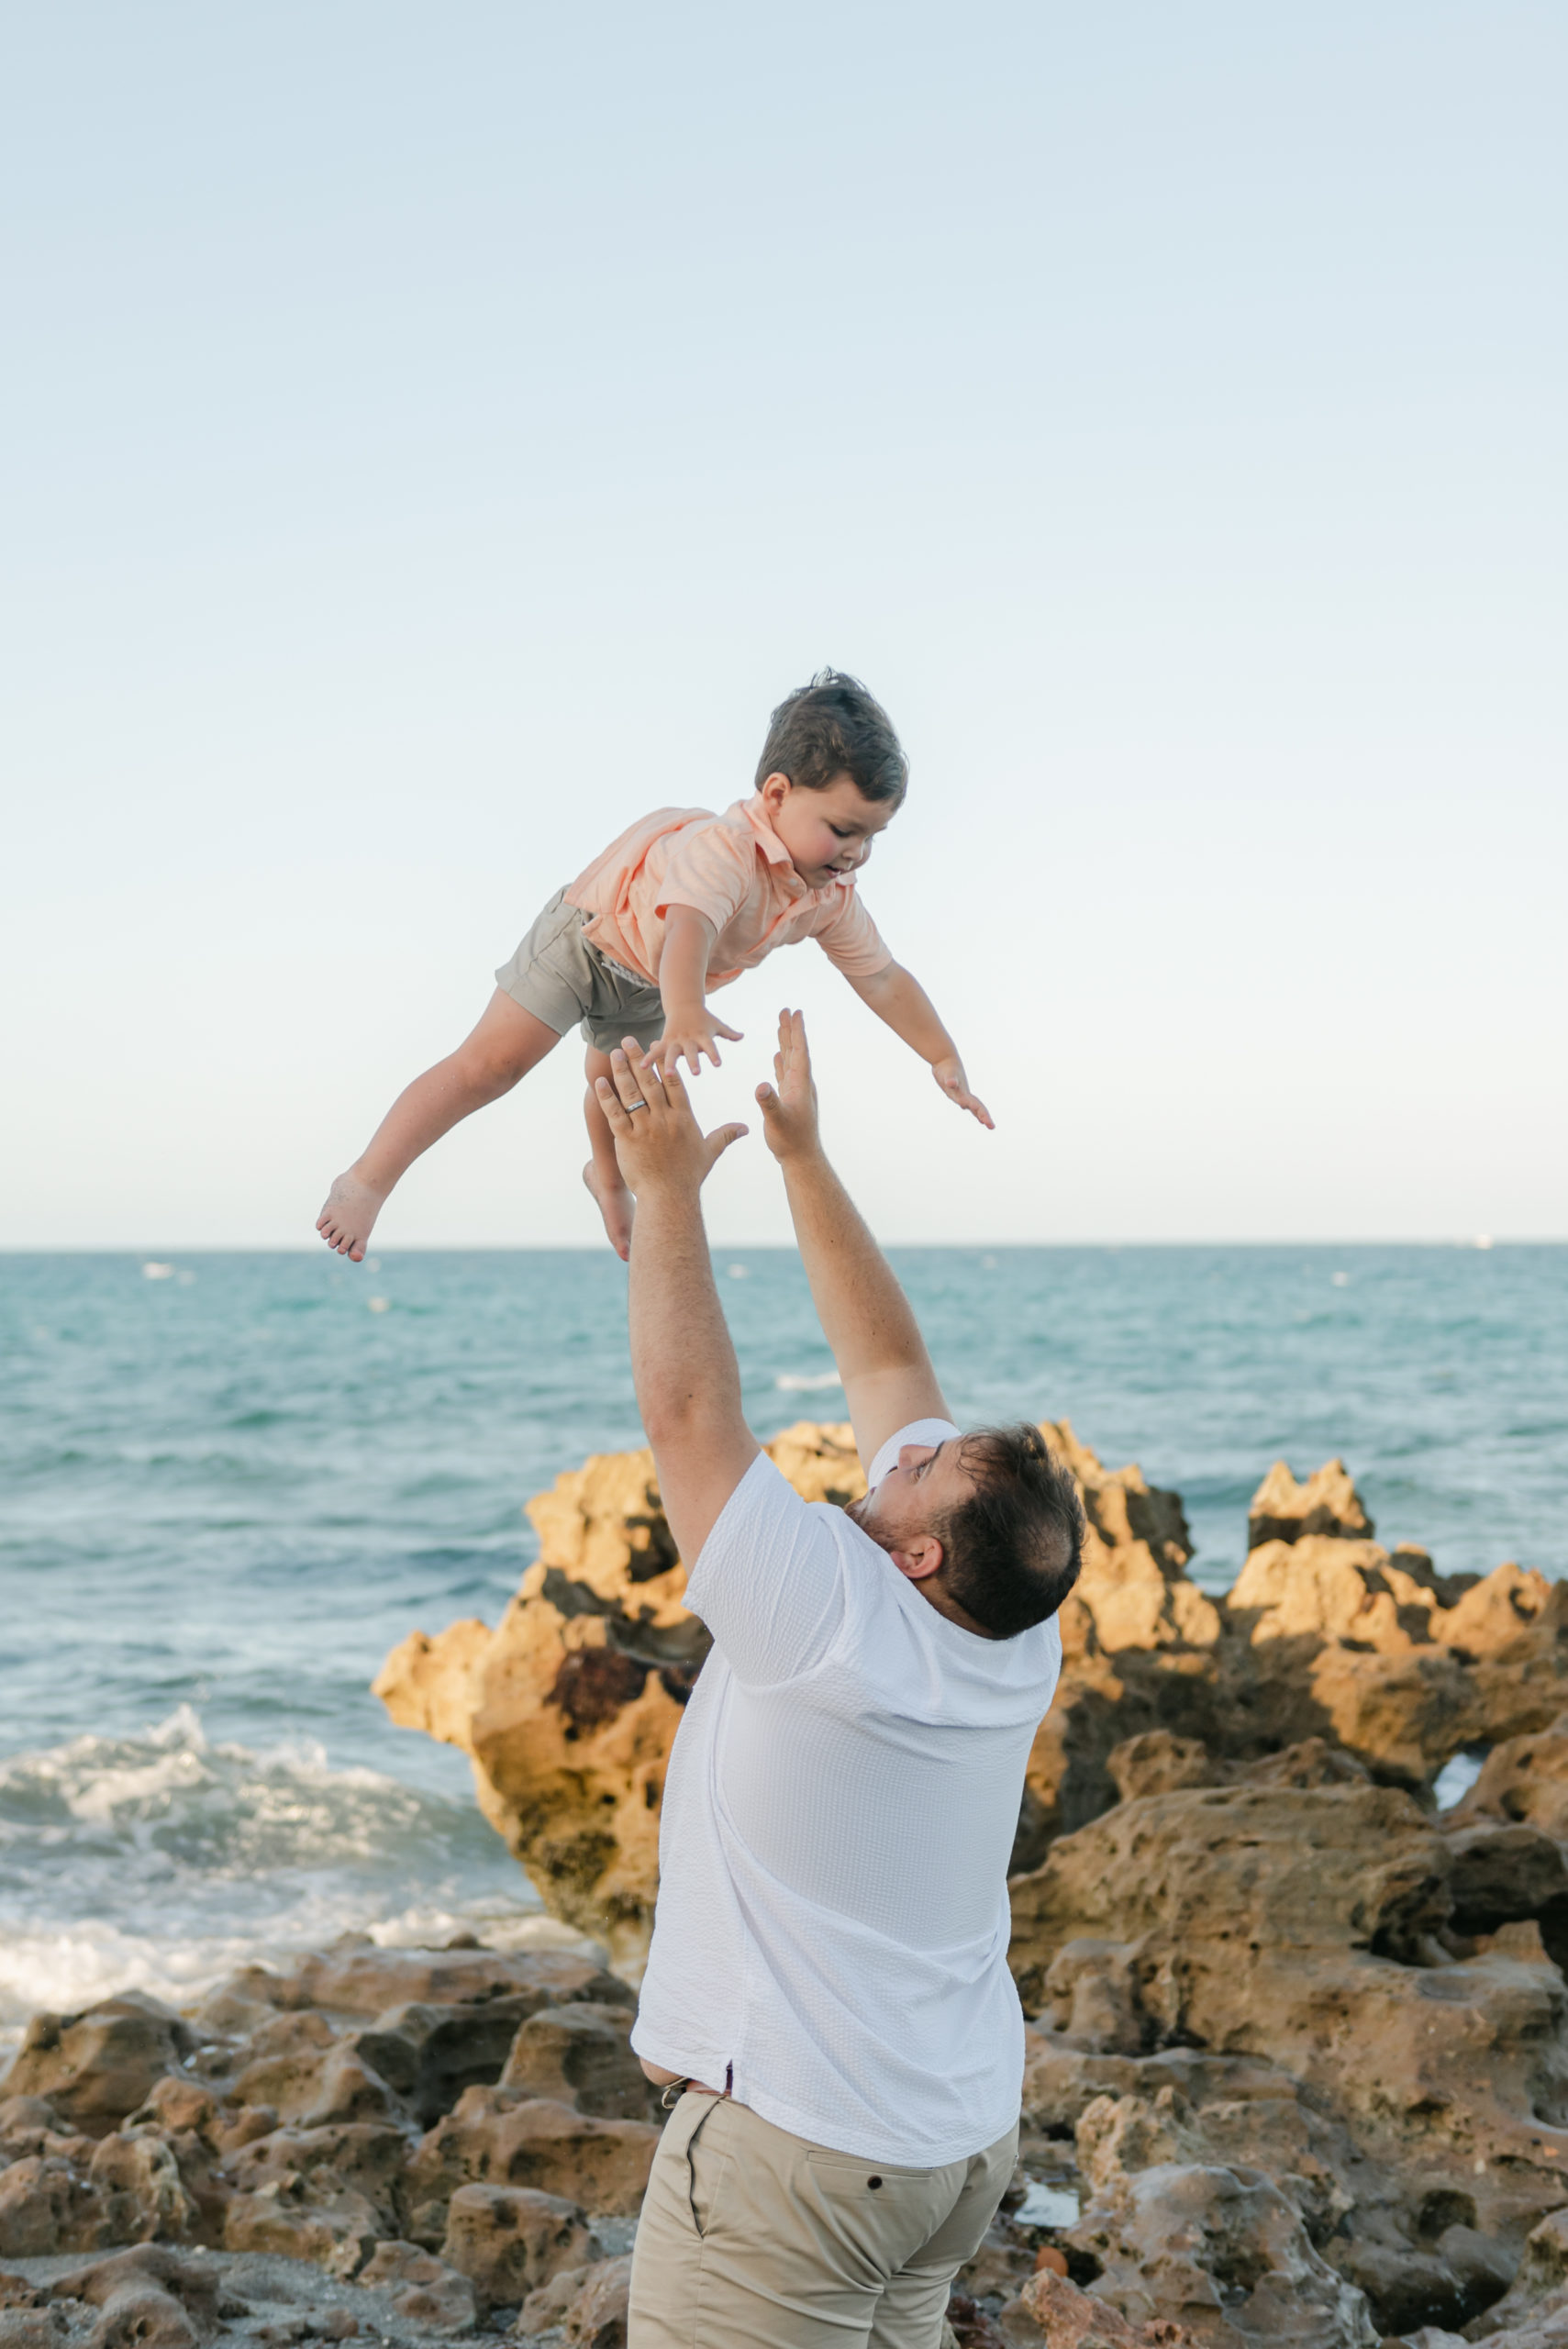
[920,1558]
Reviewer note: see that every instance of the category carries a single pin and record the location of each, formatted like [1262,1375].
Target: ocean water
[229,1484]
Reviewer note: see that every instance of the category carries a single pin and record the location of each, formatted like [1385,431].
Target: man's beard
[860,1513]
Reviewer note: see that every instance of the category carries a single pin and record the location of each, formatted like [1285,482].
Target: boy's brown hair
[833,727]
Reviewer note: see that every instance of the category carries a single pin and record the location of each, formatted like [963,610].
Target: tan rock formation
[1221,2253]
[1283,1511]
[504,2137]
[323,2168]
[588,2304]
[1536,2306]
[1311,1928]
[1523,1779]
[508,2239]
[319,2222]
[1055,2313]
[1342,1589]
[582,2055]
[148,2296]
[226,2149]
[1397,1664]
[569,1707]
[427,2295]
[46,2206]
[95,2068]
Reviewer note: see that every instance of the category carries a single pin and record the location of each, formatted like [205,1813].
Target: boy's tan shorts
[752,2239]
[557,975]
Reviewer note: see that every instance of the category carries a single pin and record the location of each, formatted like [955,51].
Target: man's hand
[865,1317]
[659,1143]
[688,1034]
[789,1104]
[949,1075]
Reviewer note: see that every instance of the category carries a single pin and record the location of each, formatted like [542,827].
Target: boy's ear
[775,789]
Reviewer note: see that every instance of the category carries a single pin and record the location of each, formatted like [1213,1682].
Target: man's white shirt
[832,1926]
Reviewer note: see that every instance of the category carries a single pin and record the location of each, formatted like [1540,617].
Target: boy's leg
[506,1042]
[602,1173]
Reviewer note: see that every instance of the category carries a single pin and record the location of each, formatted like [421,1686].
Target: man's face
[929,1480]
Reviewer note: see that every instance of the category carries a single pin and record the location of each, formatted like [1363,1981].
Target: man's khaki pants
[752,2239]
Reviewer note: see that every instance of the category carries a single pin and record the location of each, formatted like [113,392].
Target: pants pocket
[878,2216]
[707,2162]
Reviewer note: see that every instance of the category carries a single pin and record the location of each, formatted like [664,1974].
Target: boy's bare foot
[617,1206]
[348,1216]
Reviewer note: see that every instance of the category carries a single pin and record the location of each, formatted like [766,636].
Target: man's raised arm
[683,1363]
[865,1316]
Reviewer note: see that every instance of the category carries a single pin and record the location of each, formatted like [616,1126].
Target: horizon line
[1474,1242]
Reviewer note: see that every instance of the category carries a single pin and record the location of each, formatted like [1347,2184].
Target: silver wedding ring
[629,1106]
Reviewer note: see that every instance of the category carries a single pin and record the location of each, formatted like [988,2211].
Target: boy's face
[828,831]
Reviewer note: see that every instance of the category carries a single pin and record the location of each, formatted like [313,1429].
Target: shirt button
[873,2182]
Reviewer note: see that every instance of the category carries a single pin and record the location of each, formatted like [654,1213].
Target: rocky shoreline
[1297,2060]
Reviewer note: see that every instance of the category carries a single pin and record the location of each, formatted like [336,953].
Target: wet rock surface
[319,2153]
[1297,2042]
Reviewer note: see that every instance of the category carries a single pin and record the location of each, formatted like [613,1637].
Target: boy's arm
[689,1026]
[896,996]
[865,1316]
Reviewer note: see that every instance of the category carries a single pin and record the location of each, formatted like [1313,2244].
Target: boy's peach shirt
[735,869]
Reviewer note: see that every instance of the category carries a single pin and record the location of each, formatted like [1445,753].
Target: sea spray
[163,1861]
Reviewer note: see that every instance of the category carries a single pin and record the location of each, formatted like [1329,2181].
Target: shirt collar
[776,853]
[768,840]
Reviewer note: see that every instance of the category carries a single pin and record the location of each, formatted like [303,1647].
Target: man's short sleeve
[709,868]
[768,1581]
[851,941]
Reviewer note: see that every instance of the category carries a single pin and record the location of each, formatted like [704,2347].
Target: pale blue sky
[433,436]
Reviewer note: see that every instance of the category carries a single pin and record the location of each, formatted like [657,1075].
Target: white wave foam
[163,1860]
[230,1807]
[800,1382]
[1455,1779]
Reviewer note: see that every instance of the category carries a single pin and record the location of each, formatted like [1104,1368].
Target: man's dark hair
[833,727]
[1012,1551]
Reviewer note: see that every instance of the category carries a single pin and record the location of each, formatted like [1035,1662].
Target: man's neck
[933,1592]
[932,1588]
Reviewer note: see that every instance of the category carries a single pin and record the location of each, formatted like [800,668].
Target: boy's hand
[657,1140]
[949,1075]
[688,1034]
[789,1113]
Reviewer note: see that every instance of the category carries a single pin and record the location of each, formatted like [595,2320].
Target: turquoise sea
[229,1484]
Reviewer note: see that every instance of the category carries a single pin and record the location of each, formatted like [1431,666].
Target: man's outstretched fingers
[647,1077]
[631,1077]
[718,1142]
[611,1104]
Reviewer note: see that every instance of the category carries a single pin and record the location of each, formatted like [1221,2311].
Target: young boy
[682,903]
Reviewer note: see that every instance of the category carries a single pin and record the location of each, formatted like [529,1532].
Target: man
[827,1994]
